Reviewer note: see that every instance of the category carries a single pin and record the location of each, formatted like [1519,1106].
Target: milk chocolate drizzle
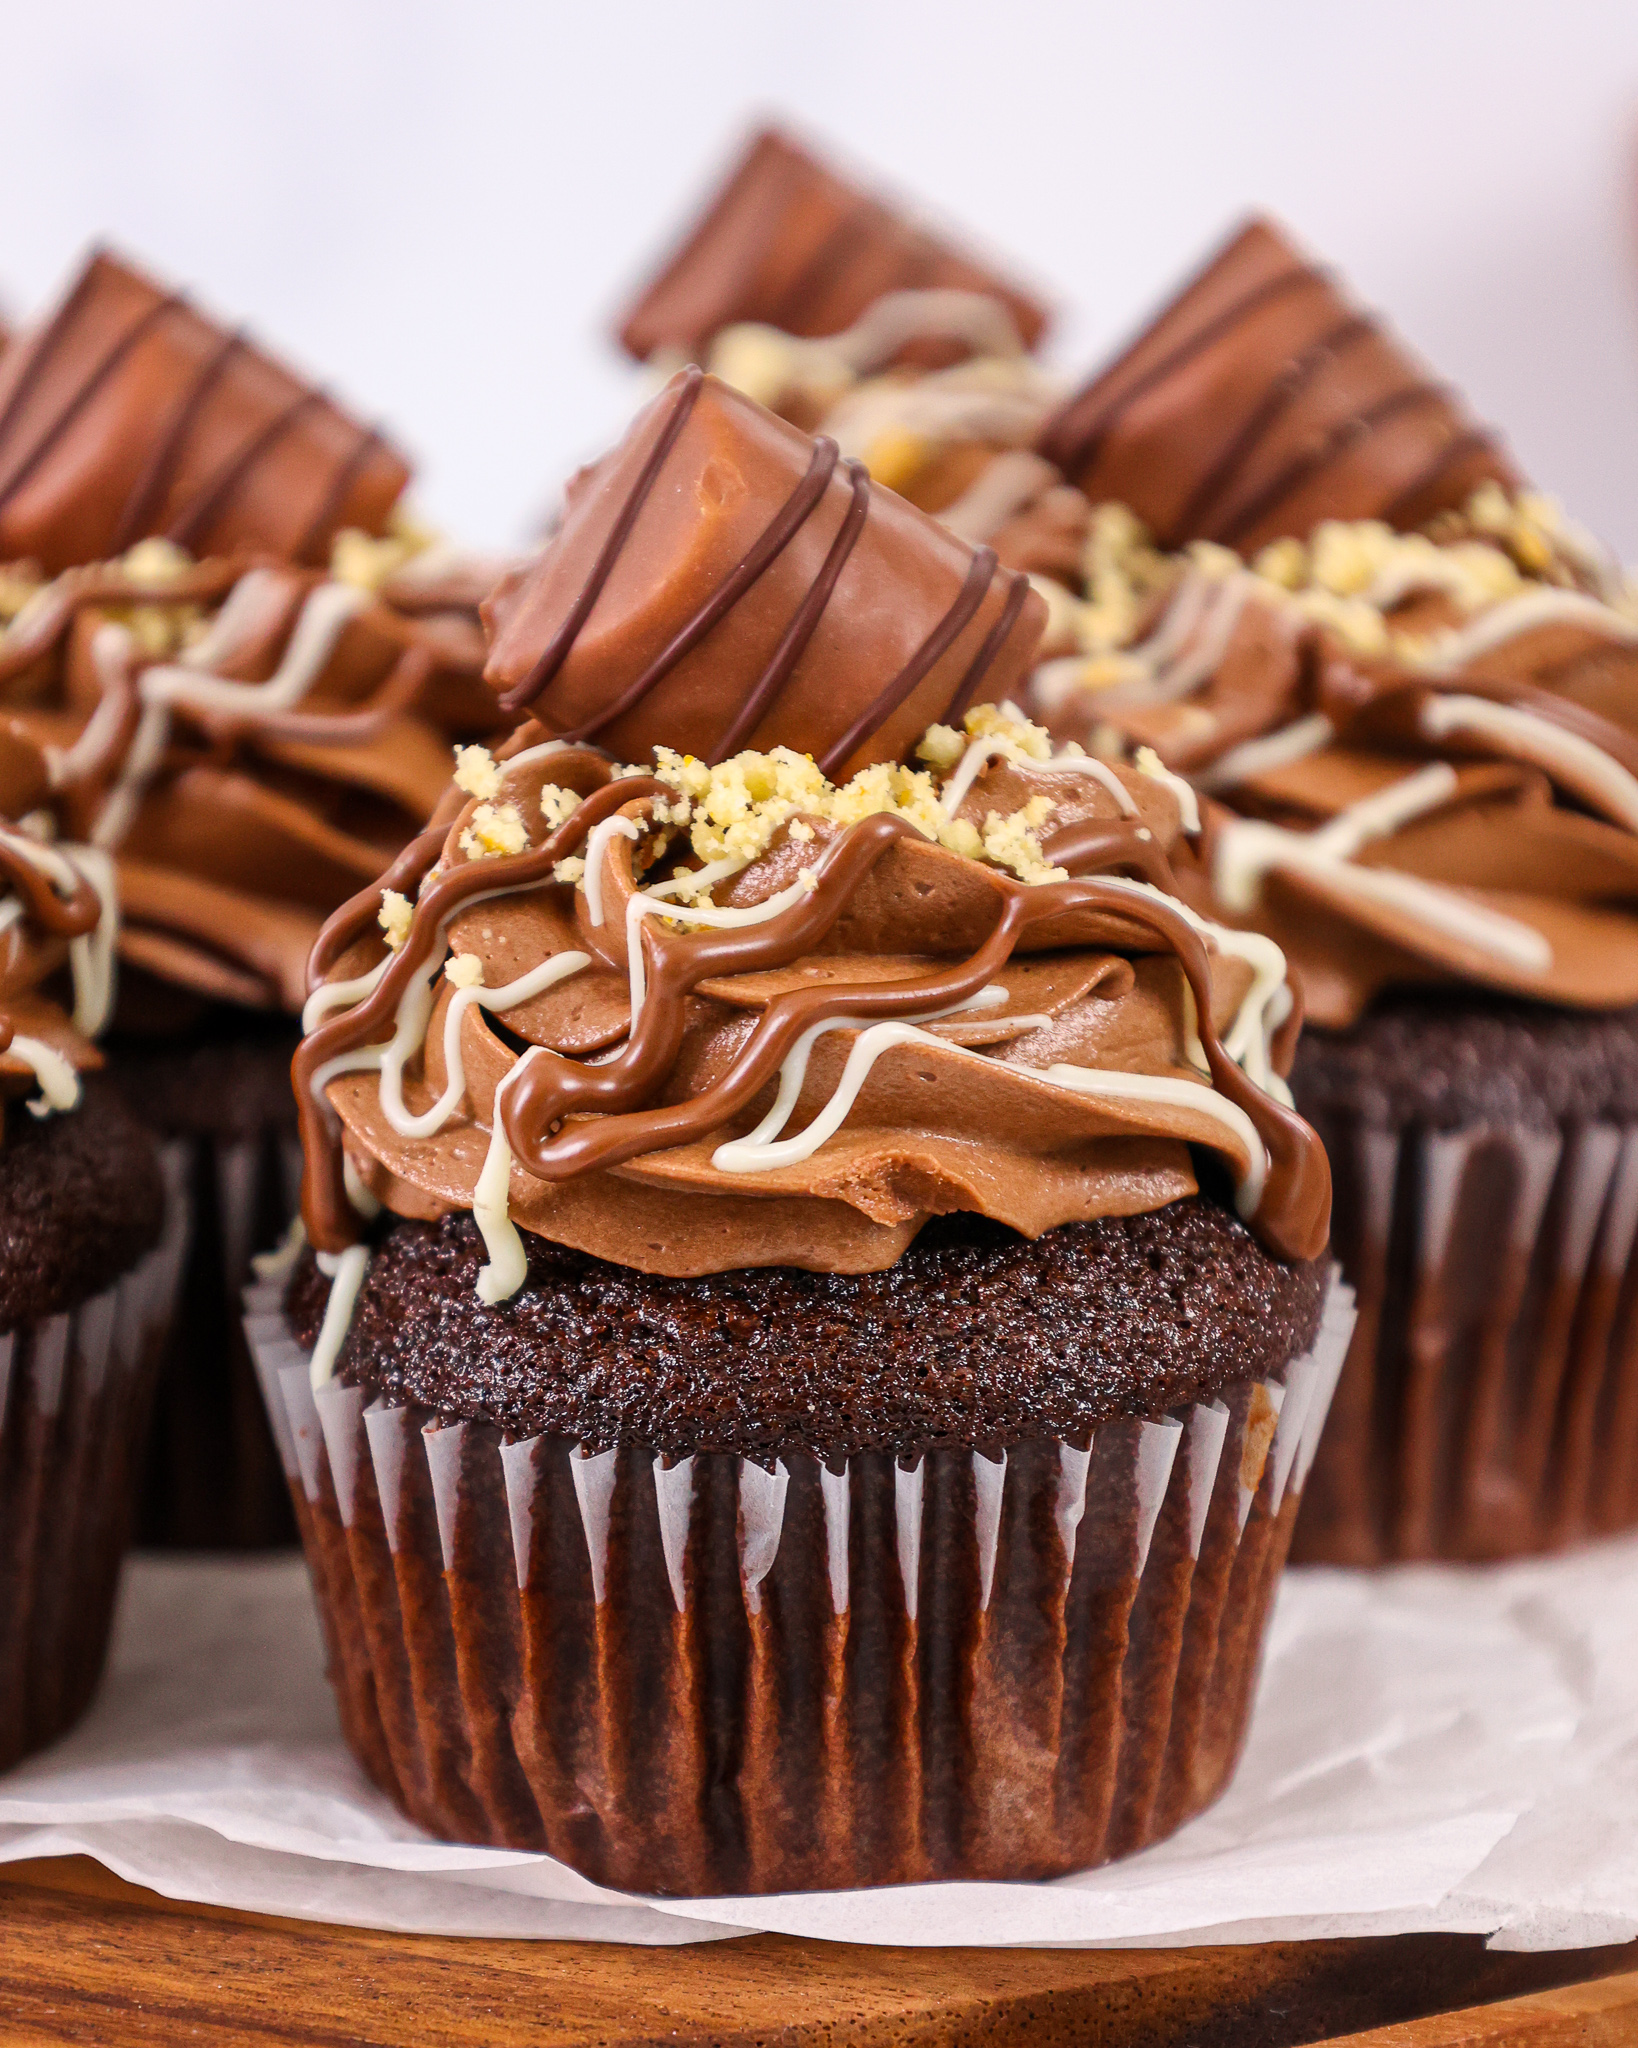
[786,523]
[609,1101]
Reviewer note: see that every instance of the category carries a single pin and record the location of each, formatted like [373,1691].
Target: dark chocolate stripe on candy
[101,371]
[1074,447]
[828,262]
[1474,442]
[967,689]
[557,649]
[801,628]
[149,490]
[1344,437]
[980,575]
[369,440]
[769,545]
[43,347]
[208,502]
[1219,481]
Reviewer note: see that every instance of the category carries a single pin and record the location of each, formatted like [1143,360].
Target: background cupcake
[204,629]
[90,1238]
[825,1398]
[1421,755]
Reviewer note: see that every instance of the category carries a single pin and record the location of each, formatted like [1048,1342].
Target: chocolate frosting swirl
[250,740]
[1423,752]
[941,1029]
[57,913]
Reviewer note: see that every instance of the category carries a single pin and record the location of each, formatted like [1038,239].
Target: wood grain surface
[86,1958]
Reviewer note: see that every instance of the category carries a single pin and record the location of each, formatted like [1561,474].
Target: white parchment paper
[1432,1748]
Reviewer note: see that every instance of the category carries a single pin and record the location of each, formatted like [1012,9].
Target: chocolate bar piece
[789,242]
[721,581]
[130,414]
[1261,401]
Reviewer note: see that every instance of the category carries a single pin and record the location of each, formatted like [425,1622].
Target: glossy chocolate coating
[787,241]
[722,581]
[128,413]
[1260,401]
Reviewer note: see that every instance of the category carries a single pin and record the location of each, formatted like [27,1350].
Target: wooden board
[86,1958]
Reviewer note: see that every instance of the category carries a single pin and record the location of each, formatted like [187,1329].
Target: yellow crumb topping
[395,916]
[734,811]
[464,970]
[495,829]
[477,772]
[556,804]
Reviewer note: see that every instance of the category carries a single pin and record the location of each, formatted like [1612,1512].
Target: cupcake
[817,1317]
[247,668]
[90,1241]
[1419,760]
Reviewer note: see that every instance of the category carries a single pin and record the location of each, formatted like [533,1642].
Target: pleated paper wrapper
[1489,1404]
[213,1479]
[75,1392]
[707,1677]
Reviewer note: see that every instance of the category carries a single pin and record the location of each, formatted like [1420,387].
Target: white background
[435,206]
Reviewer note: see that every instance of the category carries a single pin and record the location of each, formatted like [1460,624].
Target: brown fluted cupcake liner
[213,1479]
[1489,1404]
[712,1678]
[75,1390]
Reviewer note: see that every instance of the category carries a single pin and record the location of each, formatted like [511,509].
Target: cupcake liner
[213,1479]
[1489,1404]
[74,1397]
[709,1677]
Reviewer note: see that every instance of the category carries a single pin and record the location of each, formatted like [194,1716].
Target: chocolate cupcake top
[243,662]
[1261,400]
[1423,747]
[58,920]
[699,1019]
[249,739]
[738,1008]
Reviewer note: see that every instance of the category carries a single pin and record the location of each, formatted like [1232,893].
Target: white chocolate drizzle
[186,683]
[1575,763]
[346,1272]
[763,1148]
[1248,849]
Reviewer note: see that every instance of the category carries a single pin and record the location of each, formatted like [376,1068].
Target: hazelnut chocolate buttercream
[249,739]
[1261,400]
[127,413]
[702,1019]
[58,920]
[1421,750]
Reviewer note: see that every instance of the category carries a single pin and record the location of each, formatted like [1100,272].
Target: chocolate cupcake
[249,669]
[1422,760]
[819,1318]
[90,1242]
